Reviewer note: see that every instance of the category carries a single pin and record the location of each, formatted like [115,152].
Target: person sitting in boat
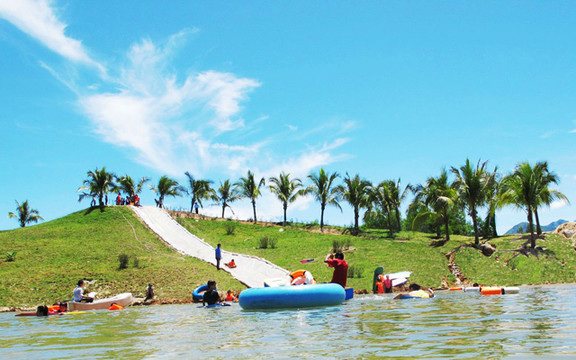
[211,296]
[231,264]
[79,293]
[230,296]
[302,277]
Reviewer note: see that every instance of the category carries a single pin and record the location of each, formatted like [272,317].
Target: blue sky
[384,89]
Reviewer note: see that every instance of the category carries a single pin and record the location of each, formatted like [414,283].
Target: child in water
[230,296]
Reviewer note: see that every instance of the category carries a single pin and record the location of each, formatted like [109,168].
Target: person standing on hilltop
[340,266]
[218,256]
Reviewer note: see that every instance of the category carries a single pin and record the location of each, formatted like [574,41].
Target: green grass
[406,251]
[53,256]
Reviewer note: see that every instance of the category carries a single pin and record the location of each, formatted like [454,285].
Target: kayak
[123,300]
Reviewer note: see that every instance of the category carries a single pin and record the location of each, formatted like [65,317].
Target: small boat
[290,297]
[123,299]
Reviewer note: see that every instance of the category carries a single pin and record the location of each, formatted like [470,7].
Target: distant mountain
[523,227]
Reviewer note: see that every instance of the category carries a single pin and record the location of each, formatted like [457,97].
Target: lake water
[540,322]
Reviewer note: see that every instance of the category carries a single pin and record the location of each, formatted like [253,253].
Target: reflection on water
[538,322]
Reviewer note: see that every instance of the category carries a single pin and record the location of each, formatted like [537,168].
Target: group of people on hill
[128,200]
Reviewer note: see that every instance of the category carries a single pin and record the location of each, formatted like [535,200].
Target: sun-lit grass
[53,256]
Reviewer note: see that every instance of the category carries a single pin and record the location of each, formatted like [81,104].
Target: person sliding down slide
[231,264]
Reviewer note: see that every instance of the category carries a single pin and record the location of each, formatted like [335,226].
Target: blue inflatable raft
[290,297]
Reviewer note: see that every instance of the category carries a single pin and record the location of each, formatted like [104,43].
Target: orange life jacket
[115,307]
[297,274]
[230,297]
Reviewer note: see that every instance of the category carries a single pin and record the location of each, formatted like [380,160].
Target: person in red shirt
[340,266]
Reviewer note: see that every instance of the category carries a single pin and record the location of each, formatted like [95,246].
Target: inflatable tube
[292,297]
[405,296]
[510,290]
[34,314]
[215,305]
[455,289]
[473,288]
[196,296]
[491,291]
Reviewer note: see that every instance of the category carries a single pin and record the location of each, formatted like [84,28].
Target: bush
[230,227]
[136,262]
[341,245]
[355,271]
[123,259]
[266,242]
[10,256]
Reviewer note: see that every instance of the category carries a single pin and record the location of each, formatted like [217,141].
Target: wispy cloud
[171,122]
[558,204]
[37,19]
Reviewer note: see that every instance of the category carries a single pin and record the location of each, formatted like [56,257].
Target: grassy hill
[53,256]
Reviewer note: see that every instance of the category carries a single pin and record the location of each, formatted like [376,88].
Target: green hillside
[52,257]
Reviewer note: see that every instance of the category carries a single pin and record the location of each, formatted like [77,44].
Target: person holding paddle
[340,266]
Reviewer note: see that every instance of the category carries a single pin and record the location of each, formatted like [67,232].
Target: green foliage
[341,245]
[123,260]
[230,227]
[268,242]
[355,271]
[10,256]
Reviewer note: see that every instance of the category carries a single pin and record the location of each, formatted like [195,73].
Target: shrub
[136,262]
[266,242]
[230,227]
[355,271]
[10,256]
[341,245]
[123,259]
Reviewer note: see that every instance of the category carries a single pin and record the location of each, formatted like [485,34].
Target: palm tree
[394,198]
[472,186]
[250,189]
[99,183]
[166,187]
[356,192]
[524,188]
[126,184]
[324,191]
[545,195]
[494,202]
[286,190]
[439,198]
[199,190]
[227,194]
[25,214]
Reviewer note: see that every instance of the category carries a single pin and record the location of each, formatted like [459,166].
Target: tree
[439,198]
[286,190]
[324,191]
[494,202]
[166,187]
[199,190]
[545,195]
[227,194]
[356,192]
[524,188]
[250,189]
[127,185]
[472,185]
[25,214]
[99,183]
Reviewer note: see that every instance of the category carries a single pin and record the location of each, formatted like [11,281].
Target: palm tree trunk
[531,225]
[398,225]
[475,223]
[538,228]
[101,199]
[285,206]
[356,229]
[322,207]
[446,225]
[254,208]
[223,209]
[493,225]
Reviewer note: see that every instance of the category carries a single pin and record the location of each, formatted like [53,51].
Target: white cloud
[558,204]
[573,131]
[36,18]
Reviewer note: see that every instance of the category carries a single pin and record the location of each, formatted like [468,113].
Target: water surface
[540,322]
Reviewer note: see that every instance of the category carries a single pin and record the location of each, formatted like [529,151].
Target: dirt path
[251,270]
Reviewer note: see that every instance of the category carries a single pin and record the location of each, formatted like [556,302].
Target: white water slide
[250,271]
